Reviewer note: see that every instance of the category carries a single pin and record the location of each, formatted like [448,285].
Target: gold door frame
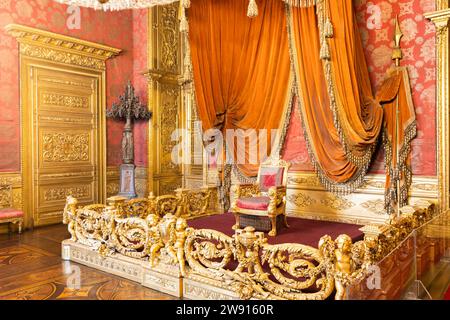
[58,52]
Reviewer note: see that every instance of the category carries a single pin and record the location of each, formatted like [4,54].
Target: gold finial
[397,53]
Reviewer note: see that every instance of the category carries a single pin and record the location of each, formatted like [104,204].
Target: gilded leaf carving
[61,147]
[375,206]
[62,100]
[337,202]
[55,194]
[301,200]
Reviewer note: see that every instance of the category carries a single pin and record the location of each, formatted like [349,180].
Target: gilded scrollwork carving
[61,56]
[64,100]
[169,34]
[63,147]
[244,263]
[301,200]
[295,267]
[194,203]
[337,202]
[375,206]
[54,194]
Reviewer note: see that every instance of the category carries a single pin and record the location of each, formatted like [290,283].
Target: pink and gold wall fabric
[375,19]
[110,28]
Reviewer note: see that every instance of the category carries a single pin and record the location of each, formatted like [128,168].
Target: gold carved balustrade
[154,233]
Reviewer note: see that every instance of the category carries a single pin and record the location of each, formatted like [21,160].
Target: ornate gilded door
[63,145]
[63,102]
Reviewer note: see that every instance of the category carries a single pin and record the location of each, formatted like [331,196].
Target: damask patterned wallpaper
[140,54]
[111,28]
[375,18]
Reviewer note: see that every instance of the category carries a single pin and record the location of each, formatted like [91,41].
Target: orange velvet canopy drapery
[341,118]
[241,69]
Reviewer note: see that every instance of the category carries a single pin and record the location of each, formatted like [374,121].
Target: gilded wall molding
[58,48]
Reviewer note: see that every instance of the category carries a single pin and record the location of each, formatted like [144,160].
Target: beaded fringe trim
[329,184]
[326,32]
[301,3]
[390,195]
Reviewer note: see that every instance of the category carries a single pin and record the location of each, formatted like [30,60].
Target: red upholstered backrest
[270,177]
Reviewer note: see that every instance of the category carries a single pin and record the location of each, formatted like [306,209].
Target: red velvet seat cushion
[253,203]
[9,213]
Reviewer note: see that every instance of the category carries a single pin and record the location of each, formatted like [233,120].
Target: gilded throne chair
[263,205]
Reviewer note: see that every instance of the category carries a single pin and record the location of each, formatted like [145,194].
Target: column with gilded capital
[441,18]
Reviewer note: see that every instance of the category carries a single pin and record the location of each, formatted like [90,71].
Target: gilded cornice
[59,48]
[440,17]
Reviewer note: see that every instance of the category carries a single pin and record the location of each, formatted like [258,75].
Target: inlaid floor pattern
[31,268]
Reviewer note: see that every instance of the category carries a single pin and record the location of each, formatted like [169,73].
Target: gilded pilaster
[441,20]
[165,98]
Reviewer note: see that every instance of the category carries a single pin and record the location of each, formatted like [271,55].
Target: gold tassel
[184,27]
[325,50]
[329,31]
[252,10]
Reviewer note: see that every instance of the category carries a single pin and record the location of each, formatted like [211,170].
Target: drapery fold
[393,94]
[241,69]
[341,118]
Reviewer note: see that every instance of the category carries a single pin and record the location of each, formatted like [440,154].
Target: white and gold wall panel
[307,198]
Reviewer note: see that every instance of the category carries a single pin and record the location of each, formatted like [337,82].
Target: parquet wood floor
[31,268]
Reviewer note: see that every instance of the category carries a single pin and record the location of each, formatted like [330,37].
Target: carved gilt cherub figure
[181,235]
[154,237]
[343,262]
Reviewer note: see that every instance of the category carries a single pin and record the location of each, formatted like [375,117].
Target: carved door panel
[63,146]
